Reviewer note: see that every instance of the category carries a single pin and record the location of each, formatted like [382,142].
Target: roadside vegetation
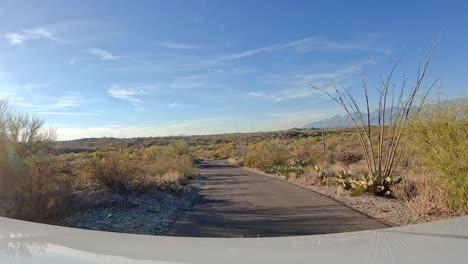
[45,180]
[416,154]
[38,182]
[429,183]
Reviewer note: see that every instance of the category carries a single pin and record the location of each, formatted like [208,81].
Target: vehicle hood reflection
[442,241]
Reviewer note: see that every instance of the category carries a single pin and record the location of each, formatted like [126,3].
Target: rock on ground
[149,213]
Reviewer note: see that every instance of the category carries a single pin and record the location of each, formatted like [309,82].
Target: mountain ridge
[339,121]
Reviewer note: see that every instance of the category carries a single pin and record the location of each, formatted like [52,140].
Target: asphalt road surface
[235,203]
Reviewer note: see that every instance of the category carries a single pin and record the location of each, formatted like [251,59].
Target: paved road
[235,202]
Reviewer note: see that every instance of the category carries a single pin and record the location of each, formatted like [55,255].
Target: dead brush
[113,170]
[422,194]
[35,190]
[172,182]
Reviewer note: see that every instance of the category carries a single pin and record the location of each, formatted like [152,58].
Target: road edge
[310,189]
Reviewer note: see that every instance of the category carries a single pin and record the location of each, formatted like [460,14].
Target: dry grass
[172,182]
[308,179]
[422,194]
[235,162]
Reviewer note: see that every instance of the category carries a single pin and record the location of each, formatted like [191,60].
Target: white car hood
[437,242]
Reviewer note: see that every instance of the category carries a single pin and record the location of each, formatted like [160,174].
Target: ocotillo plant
[382,155]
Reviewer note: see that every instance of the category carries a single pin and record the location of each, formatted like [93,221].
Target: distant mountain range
[345,121]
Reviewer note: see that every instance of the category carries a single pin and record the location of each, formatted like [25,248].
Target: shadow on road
[237,203]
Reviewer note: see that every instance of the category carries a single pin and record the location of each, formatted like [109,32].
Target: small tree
[394,106]
[26,132]
[34,185]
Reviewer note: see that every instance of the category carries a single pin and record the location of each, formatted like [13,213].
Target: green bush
[266,154]
[440,134]
[175,158]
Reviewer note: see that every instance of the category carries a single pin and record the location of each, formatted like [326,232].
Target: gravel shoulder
[391,212]
[149,213]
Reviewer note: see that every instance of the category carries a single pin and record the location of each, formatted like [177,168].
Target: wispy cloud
[72,100]
[304,45]
[173,105]
[314,43]
[21,37]
[68,113]
[286,94]
[101,54]
[35,86]
[176,45]
[296,85]
[131,95]
[196,61]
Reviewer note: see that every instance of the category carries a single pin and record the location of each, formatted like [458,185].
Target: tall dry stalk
[383,154]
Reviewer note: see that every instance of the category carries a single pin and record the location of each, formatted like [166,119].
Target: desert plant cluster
[39,182]
[43,180]
[430,179]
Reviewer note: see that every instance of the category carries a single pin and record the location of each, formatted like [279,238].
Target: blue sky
[155,68]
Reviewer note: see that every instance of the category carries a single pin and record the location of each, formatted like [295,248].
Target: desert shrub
[175,158]
[266,154]
[34,185]
[423,195]
[440,133]
[307,149]
[347,158]
[43,193]
[172,182]
[114,170]
[226,150]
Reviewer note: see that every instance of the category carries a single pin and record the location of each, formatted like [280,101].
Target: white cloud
[175,45]
[101,54]
[18,38]
[130,94]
